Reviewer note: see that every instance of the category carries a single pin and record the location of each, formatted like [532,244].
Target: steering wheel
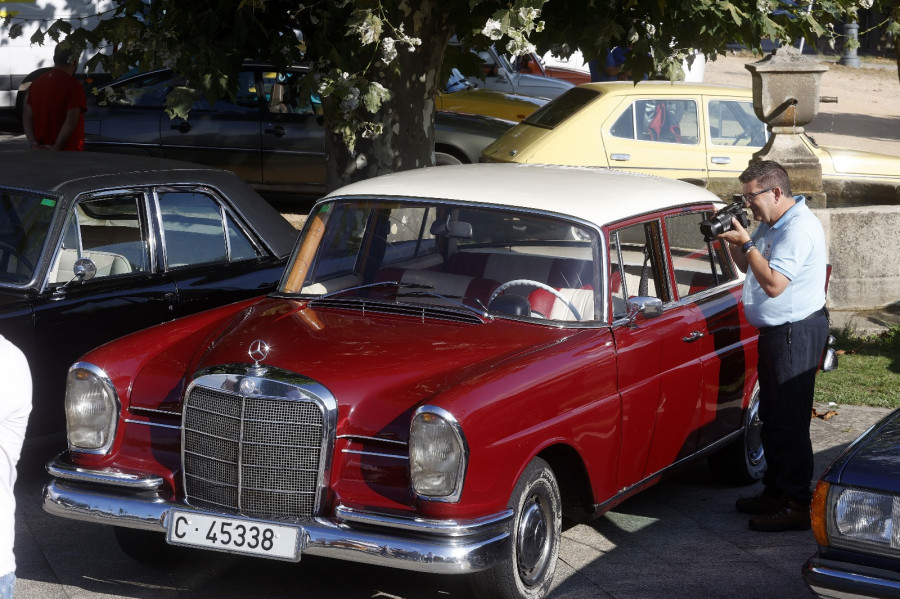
[7,250]
[515,282]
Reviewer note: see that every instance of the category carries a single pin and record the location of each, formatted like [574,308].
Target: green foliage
[360,50]
[868,370]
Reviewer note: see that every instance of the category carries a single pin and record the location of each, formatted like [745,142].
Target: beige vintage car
[702,133]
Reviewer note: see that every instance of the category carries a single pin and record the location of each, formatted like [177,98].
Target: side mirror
[649,307]
[84,269]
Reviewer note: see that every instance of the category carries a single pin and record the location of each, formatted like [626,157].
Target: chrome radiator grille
[256,456]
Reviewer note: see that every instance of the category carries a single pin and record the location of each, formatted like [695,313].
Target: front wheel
[744,461]
[536,530]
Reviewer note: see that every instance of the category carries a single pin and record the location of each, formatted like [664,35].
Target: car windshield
[552,114]
[24,222]
[447,255]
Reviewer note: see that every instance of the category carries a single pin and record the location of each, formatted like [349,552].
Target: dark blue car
[856,518]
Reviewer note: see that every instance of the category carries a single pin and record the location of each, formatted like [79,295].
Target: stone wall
[864,251]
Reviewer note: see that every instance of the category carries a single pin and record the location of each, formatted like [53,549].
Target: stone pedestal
[786,89]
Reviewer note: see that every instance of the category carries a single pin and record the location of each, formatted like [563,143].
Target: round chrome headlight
[92,409]
[438,455]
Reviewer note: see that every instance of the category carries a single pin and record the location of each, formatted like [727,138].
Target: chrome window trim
[142,201]
[597,250]
[225,211]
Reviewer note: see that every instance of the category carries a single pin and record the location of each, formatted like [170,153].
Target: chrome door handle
[692,337]
[720,160]
[620,157]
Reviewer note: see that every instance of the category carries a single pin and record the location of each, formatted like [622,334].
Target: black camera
[721,221]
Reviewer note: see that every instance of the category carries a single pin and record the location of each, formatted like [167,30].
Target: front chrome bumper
[832,579]
[437,546]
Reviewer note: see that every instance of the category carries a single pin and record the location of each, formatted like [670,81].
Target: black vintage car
[94,246]
[268,135]
[856,518]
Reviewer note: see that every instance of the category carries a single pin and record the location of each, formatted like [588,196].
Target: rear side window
[662,120]
[197,230]
[552,114]
[146,91]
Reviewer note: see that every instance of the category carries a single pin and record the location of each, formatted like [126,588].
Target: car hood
[855,162]
[873,461]
[378,366]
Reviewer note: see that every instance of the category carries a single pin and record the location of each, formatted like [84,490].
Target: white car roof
[598,195]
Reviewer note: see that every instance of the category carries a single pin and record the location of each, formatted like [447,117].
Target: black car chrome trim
[58,468]
[831,578]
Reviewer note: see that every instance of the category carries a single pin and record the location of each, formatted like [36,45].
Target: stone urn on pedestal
[786,94]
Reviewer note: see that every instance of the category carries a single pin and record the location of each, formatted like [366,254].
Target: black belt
[820,312]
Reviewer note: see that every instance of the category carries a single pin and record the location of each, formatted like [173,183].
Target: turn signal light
[818,513]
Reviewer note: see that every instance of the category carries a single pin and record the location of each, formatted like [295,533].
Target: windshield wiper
[420,290]
[378,284]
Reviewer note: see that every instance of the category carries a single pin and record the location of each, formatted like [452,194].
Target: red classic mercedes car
[454,360]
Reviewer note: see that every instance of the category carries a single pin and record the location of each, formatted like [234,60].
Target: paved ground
[680,539]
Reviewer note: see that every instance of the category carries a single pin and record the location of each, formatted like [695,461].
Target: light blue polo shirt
[795,247]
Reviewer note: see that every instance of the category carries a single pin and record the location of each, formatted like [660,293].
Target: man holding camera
[784,297]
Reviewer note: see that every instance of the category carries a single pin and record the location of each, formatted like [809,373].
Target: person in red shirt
[54,111]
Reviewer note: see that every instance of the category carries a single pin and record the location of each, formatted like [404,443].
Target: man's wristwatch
[748,246]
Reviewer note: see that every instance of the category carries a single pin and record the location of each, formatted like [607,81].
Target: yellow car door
[733,134]
[657,134]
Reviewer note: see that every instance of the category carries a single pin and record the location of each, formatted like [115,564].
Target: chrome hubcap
[755,453]
[533,542]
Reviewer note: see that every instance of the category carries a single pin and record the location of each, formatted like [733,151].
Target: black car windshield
[443,254]
[24,223]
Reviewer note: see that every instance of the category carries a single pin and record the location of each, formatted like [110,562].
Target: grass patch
[868,372]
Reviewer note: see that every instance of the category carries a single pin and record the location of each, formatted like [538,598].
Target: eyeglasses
[749,196]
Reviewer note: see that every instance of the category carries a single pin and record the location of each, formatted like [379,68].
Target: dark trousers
[789,355]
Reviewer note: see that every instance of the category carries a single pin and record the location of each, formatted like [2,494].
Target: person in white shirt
[15,406]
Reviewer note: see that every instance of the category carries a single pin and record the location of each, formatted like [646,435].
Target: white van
[20,61]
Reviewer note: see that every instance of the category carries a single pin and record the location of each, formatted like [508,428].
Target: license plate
[235,535]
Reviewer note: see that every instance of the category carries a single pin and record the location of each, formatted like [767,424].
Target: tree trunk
[407,138]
